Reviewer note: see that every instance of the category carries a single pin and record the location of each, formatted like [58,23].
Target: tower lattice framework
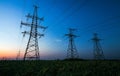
[98,51]
[72,52]
[32,49]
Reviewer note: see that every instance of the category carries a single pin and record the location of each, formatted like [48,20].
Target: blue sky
[87,16]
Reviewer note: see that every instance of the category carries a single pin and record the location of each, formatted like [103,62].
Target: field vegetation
[60,68]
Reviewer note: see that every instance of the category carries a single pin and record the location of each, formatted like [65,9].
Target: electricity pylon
[98,52]
[71,51]
[32,49]
[18,55]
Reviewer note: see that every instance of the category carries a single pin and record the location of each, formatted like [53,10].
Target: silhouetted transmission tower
[32,49]
[98,52]
[71,51]
[18,55]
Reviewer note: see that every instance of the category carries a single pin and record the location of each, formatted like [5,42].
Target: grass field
[59,68]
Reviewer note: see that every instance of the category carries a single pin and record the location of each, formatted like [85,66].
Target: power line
[95,26]
[73,12]
[57,18]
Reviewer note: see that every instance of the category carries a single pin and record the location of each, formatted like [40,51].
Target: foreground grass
[59,68]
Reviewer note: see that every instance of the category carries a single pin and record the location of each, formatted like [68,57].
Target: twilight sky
[87,16]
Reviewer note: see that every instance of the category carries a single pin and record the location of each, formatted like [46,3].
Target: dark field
[59,68]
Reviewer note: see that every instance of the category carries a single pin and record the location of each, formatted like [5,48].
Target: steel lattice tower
[71,51]
[32,49]
[98,52]
[18,55]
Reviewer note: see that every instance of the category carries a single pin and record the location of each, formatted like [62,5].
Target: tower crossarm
[25,24]
[28,24]
[71,35]
[31,16]
[42,27]
[25,32]
[40,35]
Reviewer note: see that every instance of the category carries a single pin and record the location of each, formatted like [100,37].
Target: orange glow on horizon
[12,54]
[7,54]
